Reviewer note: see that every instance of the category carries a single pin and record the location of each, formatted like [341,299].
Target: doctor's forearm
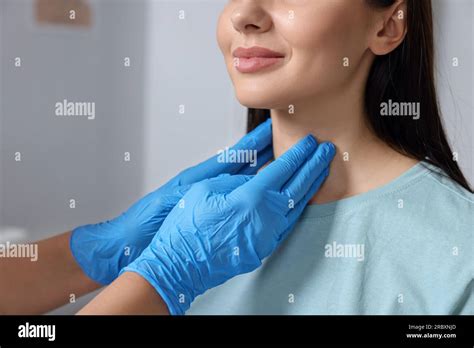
[128,294]
[39,286]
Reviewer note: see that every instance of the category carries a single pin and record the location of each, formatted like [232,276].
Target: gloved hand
[229,224]
[103,249]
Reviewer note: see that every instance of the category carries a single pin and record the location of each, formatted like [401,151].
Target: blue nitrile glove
[229,224]
[103,249]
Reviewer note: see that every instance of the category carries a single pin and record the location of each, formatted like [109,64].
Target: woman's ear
[390,28]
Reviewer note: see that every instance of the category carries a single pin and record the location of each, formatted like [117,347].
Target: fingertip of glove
[329,150]
[264,126]
[310,142]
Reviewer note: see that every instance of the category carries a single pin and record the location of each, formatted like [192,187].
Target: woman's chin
[257,102]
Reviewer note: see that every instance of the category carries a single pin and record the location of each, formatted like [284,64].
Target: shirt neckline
[346,204]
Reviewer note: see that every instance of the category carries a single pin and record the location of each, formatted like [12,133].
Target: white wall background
[65,159]
[454,32]
[174,62]
[185,67]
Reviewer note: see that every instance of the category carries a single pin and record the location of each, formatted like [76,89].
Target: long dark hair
[405,75]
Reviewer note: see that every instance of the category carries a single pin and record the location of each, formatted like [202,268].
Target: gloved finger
[257,140]
[300,183]
[175,195]
[294,213]
[263,158]
[223,183]
[277,173]
[161,204]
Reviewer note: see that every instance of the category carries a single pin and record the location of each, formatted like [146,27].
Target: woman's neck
[363,162]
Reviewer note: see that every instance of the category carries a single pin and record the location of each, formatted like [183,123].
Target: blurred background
[163,101]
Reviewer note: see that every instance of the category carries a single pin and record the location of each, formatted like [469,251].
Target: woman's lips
[252,65]
[251,60]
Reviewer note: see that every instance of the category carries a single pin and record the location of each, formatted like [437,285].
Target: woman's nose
[250,17]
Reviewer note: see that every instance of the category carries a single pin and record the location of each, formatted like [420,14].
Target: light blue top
[404,248]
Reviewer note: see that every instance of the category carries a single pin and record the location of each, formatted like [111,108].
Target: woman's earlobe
[392,33]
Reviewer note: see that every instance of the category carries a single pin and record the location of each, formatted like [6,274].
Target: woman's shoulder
[440,184]
[440,202]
